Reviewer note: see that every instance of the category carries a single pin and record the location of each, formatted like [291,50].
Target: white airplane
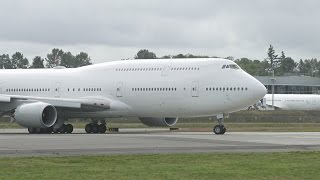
[303,102]
[157,91]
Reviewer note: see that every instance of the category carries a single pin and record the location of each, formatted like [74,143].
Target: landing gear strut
[220,128]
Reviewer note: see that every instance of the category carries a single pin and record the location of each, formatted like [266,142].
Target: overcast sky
[114,29]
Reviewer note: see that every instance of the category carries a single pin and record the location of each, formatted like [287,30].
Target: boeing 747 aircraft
[158,92]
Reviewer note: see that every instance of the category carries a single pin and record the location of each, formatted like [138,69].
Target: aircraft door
[165,70]
[119,89]
[195,89]
[57,89]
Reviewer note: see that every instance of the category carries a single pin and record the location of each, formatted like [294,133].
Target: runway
[17,142]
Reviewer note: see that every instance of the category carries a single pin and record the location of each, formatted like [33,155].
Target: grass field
[294,165]
[266,121]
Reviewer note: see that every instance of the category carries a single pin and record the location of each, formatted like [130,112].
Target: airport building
[291,84]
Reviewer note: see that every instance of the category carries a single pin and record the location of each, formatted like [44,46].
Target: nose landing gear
[220,128]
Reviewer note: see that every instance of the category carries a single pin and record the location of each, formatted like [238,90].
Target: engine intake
[158,122]
[36,115]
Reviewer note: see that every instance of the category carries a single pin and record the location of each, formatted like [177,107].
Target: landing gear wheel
[55,131]
[95,128]
[102,128]
[31,130]
[46,130]
[37,130]
[88,128]
[62,129]
[69,128]
[49,130]
[224,130]
[219,129]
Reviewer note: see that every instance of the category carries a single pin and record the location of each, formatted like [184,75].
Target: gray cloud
[211,27]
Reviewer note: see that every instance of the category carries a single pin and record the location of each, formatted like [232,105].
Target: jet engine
[36,115]
[158,122]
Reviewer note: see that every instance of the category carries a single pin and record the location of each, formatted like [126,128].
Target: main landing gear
[220,128]
[40,130]
[95,128]
[65,128]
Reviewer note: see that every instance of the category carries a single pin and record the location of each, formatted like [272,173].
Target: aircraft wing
[92,103]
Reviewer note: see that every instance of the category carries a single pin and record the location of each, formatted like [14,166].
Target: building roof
[290,80]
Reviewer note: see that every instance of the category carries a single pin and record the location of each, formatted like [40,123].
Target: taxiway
[17,142]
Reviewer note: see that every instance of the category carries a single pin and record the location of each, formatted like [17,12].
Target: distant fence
[247,116]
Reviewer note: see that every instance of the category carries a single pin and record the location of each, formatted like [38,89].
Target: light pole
[273,80]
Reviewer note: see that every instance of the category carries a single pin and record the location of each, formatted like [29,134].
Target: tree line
[273,63]
[57,57]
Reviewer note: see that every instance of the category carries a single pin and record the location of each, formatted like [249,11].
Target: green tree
[283,56]
[82,59]
[179,56]
[183,56]
[253,67]
[245,64]
[18,61]
[166,57]
[145,54]
[287,65]
[68,60]
[54,58]
[302,67]
[5,62]
[272,57]
[309,66]
[37,62]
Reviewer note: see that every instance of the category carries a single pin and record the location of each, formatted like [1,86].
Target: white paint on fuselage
[119,79]
[303,102]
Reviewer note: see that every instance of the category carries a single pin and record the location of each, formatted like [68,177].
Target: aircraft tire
[55,131]
[49,130]
[37,130]
[219,129]
[95,128]
[88,128]
[102,128]
[62,129]
[69,128]
[31,130]
[224,130]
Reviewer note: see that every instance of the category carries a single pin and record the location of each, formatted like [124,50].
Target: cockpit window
[234,66]
[231,66]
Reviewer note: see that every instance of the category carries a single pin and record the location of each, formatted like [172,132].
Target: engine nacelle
[36,115]
[158,122]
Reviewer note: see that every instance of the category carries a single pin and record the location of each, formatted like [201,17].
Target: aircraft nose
[260,91]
